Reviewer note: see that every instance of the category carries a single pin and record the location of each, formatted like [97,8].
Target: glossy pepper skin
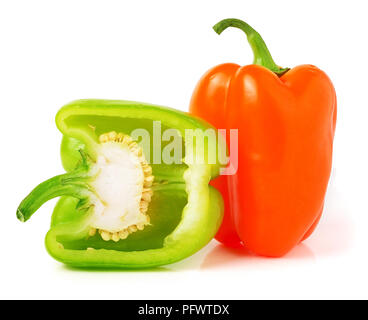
[286,122]
[185,211]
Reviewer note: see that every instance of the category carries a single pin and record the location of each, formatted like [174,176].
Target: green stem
[70,184]
[262,56]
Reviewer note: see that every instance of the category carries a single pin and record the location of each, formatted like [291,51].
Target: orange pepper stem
[262,56]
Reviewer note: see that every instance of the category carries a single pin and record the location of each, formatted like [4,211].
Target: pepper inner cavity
[122,187]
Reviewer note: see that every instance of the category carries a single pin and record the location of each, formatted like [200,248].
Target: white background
[53,52]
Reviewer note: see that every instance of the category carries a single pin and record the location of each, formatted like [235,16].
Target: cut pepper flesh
[160,213]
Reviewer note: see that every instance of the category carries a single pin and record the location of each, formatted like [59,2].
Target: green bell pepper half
[185,212]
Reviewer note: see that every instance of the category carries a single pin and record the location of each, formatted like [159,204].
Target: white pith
[122,188]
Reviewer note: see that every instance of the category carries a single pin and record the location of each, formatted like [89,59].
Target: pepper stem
[68,184]
[262,56]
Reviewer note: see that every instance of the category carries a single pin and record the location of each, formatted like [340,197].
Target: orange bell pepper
[286,122]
